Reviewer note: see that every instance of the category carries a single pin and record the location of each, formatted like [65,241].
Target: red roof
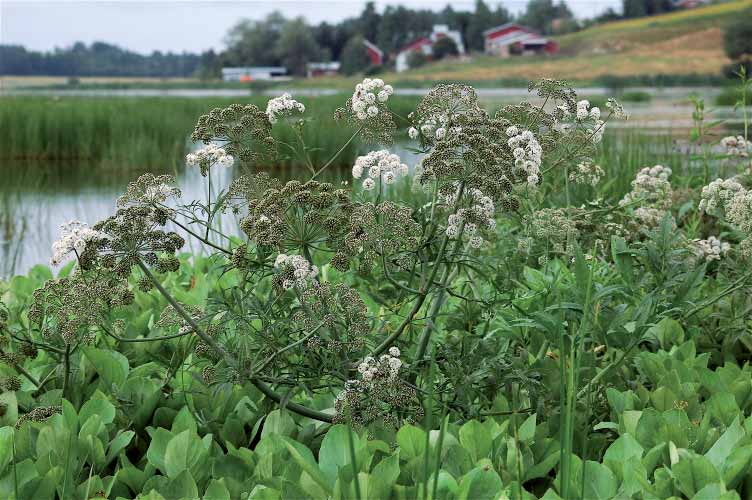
[505,29]
[420,42]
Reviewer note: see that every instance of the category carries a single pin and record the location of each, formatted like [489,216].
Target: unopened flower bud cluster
[369,97]
[296,271]
[282,106]
[208,156]
[527,152]
[379,165]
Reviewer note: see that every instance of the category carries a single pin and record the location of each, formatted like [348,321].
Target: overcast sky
[189,25]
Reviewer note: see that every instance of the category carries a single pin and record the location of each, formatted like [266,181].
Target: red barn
[374,53]
[515,39]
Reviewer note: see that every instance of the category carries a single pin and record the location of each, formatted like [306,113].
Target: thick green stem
[229,359]
[66,370]
[336,155]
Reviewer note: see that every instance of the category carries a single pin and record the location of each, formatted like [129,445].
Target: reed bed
[143,133]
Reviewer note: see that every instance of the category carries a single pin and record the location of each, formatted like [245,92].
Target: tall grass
[145,133]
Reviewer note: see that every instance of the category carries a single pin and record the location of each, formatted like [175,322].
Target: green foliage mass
[565,357]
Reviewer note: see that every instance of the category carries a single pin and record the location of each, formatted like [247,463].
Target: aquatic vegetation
[459,328]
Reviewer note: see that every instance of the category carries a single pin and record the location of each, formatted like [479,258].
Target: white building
[253,73]
[424,45]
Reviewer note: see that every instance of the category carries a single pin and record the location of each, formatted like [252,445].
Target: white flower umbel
[434,128]
[650,187]
[736,146]
[469,221]
[369,97]
[586,173]
[74,236]
[208,156]
[281,106]
[378,165]
[711,249]
[296,271]
[527,153]
[718,194]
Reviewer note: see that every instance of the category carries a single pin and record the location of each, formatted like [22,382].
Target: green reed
[146,133]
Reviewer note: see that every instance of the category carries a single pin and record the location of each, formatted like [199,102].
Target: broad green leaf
[182,487]
[736,465]
[278,422]
[476,439]
[217,490]
[387,471]
[111,366]
[725,445]
[621,450]
[184,421]
[481,483]
[6,447]
[526,432]
[694,473]
[121,441]
[10,417]
[97,406]
[335,451]
[160,438]
[412,442]
[186,452]
[304,458]
[600,482]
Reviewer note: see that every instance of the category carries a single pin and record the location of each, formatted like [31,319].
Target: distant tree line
[292,43]
[96,59]
[279,41]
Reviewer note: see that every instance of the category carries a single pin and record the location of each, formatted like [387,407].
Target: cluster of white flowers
[587,173]
[160,193]
[434,128]
[718,194]
[209,155]
[649,216]
[468,221]
[739,211]
[387,366]
[379,165]
[585,113]
[283,105]
[650,187]
[368,96]
[616,109]
[298,268]
[527,153]
[736,146]
[711,249]
[74,236]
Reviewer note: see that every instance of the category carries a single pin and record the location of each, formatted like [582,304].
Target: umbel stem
[229,359]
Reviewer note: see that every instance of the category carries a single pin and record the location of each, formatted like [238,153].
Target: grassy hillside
[681,43]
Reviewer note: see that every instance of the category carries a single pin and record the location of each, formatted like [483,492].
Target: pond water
[36,198]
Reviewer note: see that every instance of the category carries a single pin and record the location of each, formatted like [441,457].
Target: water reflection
[35,199]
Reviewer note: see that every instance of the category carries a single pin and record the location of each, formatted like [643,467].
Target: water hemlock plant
[460,328]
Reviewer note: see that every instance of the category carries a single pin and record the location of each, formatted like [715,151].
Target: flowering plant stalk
[296,319]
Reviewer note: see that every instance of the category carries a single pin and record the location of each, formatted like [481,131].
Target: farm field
[363,297]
